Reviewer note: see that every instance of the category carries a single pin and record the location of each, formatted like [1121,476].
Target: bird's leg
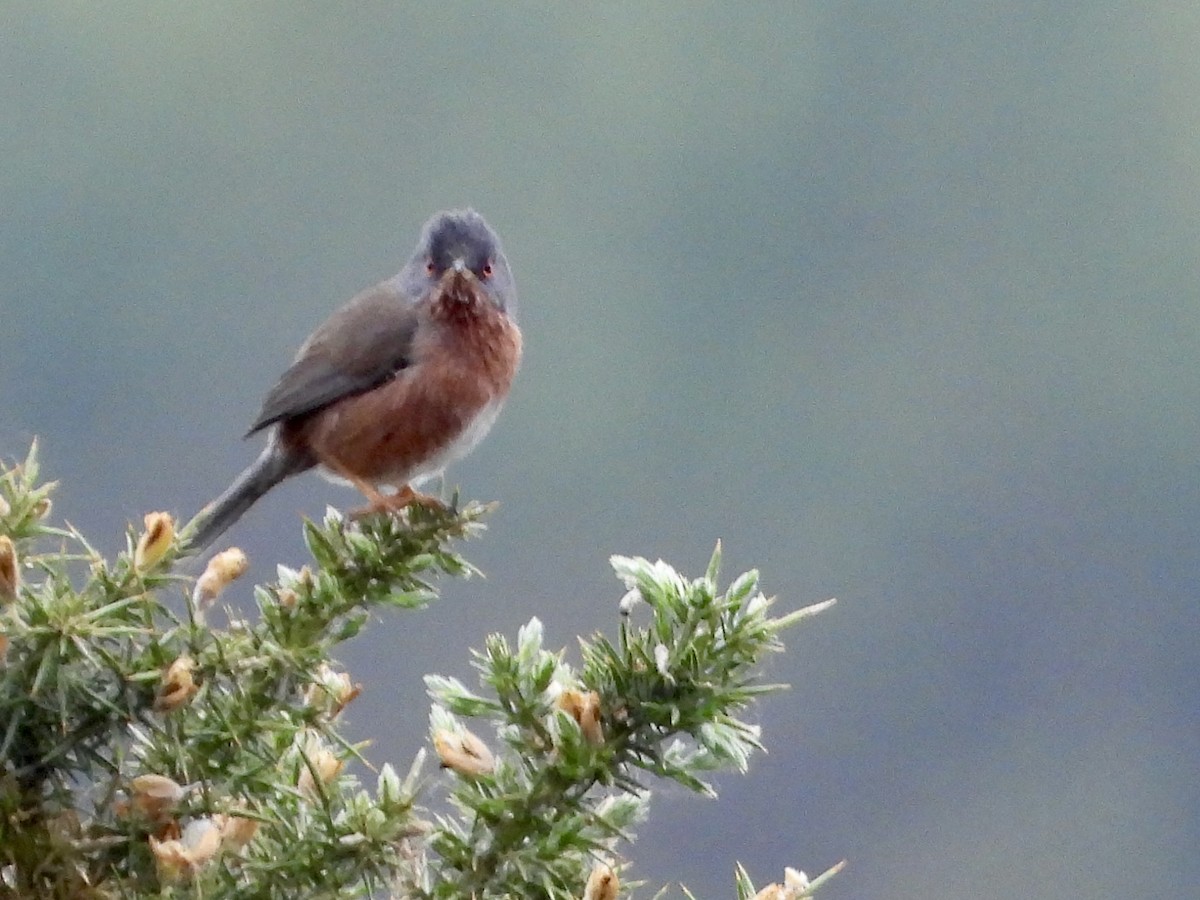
[392,503]
[378,502]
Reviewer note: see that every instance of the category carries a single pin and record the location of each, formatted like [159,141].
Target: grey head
[460,238]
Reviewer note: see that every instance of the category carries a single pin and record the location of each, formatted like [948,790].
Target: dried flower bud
[326,766]
[3,648]
[202,838]
[287,598]
[463,752]
[221,570]
[155,796]
[795,880]
[177,686]
[236,831]
[585,710]
[170,859]
[602,884]
[155,541]
[10,570]
[180,859]
[332,691]
[795,883]
[42,508]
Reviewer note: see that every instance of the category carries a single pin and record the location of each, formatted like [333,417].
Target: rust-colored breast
[465,355]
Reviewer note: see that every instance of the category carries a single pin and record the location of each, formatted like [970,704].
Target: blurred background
[900,303]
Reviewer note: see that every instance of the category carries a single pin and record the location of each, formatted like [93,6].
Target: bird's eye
[430,268]
[487,270]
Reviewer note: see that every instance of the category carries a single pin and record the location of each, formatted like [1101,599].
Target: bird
[404,379]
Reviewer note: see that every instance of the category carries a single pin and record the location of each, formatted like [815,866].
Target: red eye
[487,270]
[429,267]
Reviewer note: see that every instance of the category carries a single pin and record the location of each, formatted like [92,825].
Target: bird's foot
[390,504]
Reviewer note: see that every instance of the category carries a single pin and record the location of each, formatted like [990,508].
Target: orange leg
[385,503]
[392,503]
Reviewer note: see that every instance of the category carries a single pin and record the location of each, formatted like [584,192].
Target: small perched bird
[401,381]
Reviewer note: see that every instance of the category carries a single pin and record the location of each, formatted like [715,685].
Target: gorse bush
[146,751]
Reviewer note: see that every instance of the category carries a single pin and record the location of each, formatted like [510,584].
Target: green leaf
[713,572]
[745,887]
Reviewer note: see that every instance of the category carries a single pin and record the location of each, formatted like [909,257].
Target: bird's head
[460,255]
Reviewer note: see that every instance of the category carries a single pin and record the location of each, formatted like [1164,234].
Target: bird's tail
[273,465]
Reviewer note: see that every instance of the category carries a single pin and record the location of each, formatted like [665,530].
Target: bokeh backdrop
[898,300]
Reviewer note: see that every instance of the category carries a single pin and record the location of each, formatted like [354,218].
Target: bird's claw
[391,504]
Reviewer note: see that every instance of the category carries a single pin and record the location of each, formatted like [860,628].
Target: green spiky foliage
[154,743]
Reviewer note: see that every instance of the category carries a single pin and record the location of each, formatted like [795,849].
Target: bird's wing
[360,346]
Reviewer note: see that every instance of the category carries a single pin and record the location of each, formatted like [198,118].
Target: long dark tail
[273,465]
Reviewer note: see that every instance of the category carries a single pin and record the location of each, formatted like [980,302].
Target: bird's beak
[457,271]
[458,281]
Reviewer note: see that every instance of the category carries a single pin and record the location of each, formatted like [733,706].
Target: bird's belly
[458,447]
[401,432]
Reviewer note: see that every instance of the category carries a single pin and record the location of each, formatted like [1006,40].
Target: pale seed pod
[326,765]
[464,753]
[155,541]
[602,883]
[331,691]
[179,859]
[10,570]
[154,796]
[221,570]
[236,831]
[585,710]
[178,686]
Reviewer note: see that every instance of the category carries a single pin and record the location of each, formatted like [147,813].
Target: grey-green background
[899,300]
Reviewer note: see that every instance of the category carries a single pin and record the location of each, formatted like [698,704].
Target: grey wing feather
[309,385]
[359,347]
